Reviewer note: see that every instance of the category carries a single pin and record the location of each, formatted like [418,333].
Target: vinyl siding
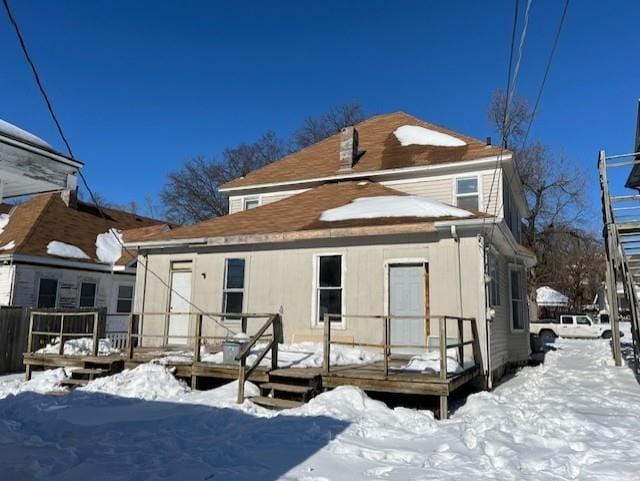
[440,189]
[6,284]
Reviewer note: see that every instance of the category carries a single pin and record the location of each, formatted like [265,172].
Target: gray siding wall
[6,283]
[27,282]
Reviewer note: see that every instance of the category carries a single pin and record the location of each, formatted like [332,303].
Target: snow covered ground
[575,417]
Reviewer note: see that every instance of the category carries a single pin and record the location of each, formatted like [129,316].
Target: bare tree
[511,127]
[315,129]
[191,192]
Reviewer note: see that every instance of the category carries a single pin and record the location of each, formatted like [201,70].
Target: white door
[179,307]
[566,327]
[407,298]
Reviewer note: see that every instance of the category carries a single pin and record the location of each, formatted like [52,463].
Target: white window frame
[95,294]
[133,294]
[226,289]
[315,293]
[252,198]
[495,298]
[478,178]
[523,304]
[40,279]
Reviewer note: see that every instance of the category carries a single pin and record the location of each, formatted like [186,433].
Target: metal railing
[386,345]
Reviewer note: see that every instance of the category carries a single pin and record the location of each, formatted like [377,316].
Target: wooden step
[74,382]
[291,388]
[275,403]
[90,371]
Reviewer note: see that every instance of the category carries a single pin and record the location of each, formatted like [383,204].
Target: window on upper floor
[467,193]
[251,203]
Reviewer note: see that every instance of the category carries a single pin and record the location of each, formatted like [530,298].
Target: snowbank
[62,249]
[392,206]
[109,246]
[82,346]
[41,382]
[416,135]
[18,133]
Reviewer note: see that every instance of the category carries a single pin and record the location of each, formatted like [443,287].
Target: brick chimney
[348,148]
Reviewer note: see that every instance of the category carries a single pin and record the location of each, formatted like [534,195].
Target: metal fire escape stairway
[621,218]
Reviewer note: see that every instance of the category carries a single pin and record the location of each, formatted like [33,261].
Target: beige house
[393,216]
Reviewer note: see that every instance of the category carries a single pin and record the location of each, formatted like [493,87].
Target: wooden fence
[14,326]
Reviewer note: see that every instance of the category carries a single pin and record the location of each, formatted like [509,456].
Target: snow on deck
[573,418]
[392,206]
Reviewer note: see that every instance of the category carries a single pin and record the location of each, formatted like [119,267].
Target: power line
[43,92]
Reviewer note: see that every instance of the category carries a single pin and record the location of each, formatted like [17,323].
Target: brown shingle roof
[381,151]
[297,213]
[45,218]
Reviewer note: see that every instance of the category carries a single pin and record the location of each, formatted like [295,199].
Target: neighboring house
[550,302]
[395,216]
[58,252]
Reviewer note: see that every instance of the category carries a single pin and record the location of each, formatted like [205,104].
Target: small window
[125,299]
[494,282]
[47,293]
[467,196]
[566,320]
[251,203]
[87,294]
[517,299]
[329,287]
[233,292]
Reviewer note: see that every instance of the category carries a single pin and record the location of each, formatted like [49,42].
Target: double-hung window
[87,294]
[517,298]
[125,299]
[494,282]
[233,291]
[329,287]
[467,194]
[47,293]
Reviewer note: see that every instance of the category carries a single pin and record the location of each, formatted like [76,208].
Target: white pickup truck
[570,325]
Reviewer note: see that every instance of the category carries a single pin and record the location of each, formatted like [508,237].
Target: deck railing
[72,324]
[385,323]
[275,322]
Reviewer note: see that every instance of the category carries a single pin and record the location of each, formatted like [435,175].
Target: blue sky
[142,86]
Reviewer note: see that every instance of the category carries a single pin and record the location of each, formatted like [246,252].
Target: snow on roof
[109,246]
[62,249]
[4,220]
[8,246]
[547,296]
[416,135]
[392,206]
[18,133]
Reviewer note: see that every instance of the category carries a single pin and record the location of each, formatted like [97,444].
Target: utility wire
[45,96]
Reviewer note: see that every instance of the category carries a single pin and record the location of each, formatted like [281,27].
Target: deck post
[61,349]
[443,350]
[243,324]
[27,370]
[476,342]
[444,407]
[241,373]
[95,334]
[276,340]
[130,337]
[196,339]
[327,343]
[386,350]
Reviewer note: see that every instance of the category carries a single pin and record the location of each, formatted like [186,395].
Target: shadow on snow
[101,437]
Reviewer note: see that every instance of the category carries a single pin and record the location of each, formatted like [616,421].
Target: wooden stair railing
[275,321]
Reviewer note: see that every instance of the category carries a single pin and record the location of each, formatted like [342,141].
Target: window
[583,321]
[125,299]
[517,299]
[233,292]
[566,320]
[251,203]
[467,196]
[329,287]
[494,282]
[47,293]
[87,294]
